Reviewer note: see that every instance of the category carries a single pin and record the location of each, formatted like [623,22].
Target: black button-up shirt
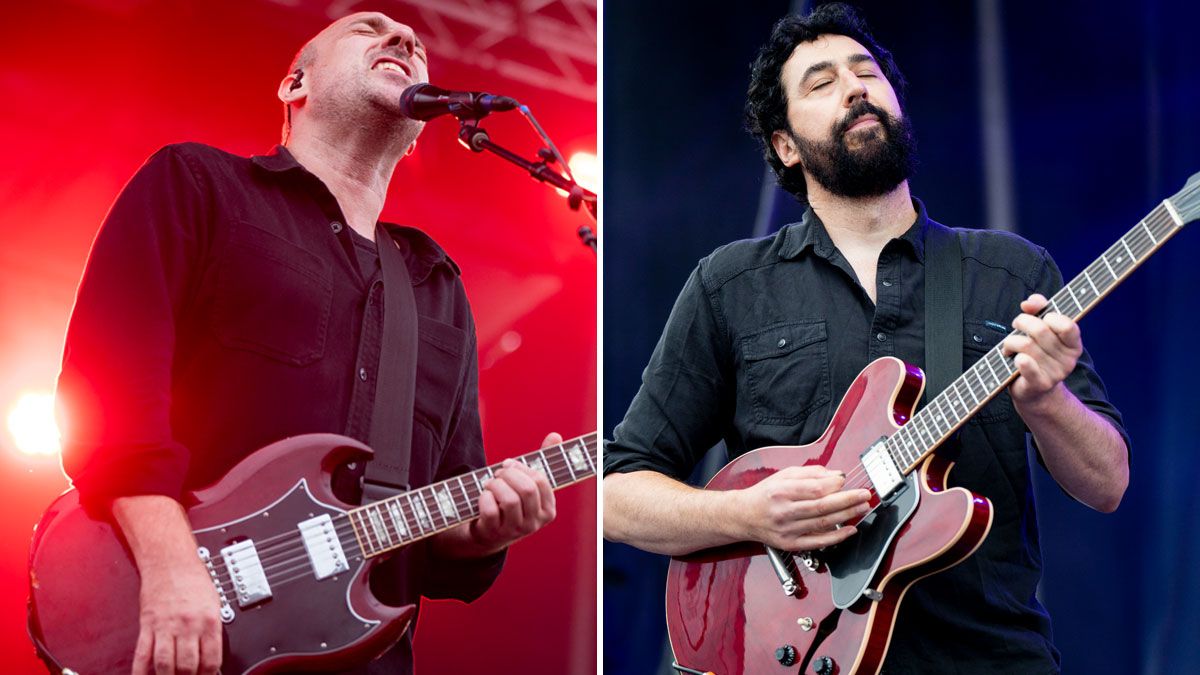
[225,306]
[763,341]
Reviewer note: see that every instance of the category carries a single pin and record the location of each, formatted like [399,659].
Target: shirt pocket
[786,370]
[272,297]
[441,358]
[978,339]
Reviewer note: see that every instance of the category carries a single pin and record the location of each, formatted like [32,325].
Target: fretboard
[994,371]
[391,523]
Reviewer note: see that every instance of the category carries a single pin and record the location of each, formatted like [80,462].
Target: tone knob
[823,666]
[786,655]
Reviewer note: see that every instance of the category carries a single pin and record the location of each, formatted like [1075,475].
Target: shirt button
[887,284]
[976,338]
[880,336]
[362,374]
[335,226]
[782,343]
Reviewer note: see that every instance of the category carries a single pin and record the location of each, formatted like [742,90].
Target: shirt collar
[810,232]
[421,252]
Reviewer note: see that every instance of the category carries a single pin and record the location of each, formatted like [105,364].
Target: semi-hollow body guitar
[748,609]
[289,560]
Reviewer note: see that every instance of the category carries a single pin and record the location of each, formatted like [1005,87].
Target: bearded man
[230,302]
[768,334]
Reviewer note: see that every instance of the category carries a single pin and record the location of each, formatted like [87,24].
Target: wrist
[1041,404]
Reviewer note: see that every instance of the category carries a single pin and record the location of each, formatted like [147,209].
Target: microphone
[425,102]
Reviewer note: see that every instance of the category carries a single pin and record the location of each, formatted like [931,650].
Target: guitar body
[727,612]
[84,585]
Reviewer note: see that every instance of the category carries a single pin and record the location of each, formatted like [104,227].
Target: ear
[785,147]
[293,89]
[411,148]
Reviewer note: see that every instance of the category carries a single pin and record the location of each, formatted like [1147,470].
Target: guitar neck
[386,525]
[950,409]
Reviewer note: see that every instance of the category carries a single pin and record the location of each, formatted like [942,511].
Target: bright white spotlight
[586,170]
[31,423]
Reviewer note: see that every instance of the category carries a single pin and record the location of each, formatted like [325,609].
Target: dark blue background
[1103,101]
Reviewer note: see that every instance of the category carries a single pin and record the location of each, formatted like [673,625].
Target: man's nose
[403,37]
[853,87]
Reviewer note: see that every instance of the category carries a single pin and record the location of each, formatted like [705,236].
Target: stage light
[586,169]
[32,426]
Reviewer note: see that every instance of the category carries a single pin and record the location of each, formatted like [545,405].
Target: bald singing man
[229,302]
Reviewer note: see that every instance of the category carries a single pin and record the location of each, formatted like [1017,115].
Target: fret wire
[988,363]
[562,451]
[466,497]
[918,422]
[366,536]
[587,455]
[549,471]
[416,514]
[1148,232]
[947,419]
[1088,275]
[1075,299]
[393,507]
[1128,250]
[436,505]
[1110,269]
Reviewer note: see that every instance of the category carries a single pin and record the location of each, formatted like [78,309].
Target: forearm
[1081,449]
[656,513]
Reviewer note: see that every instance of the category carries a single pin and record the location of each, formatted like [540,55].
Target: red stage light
[32,426]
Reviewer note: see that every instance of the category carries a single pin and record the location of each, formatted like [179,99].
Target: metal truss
[550,44]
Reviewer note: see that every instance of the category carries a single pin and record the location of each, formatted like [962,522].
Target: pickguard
[303,616]
[853,563]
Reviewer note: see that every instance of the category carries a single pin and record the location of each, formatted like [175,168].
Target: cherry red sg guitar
[289,560]
[748,609]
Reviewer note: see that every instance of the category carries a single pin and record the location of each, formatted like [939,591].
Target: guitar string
[293,543]
[302,567]
[1162,223]
[266,543]
[271,545]
[1136,237]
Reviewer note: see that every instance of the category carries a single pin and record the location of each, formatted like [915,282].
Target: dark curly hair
[766,101]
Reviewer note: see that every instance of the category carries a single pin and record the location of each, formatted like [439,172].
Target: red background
[88,90]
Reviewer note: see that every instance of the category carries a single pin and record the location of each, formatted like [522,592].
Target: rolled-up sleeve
[114,390]
[684,402]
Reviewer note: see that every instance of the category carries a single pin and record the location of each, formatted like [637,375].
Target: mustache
[859,109]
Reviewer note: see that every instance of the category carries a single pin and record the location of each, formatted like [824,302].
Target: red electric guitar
[290,561]
[748,609]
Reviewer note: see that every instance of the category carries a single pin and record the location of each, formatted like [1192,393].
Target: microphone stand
[476,139]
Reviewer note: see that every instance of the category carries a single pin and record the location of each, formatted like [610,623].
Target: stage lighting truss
[550,44]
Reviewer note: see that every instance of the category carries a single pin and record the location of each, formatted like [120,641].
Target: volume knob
[786,655]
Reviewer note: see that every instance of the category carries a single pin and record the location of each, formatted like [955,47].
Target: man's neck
[356,167]
[864,223]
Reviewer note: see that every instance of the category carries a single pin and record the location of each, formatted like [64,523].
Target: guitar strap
[943,309]
[396,380]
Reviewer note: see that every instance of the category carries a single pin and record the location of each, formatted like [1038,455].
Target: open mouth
[392,65]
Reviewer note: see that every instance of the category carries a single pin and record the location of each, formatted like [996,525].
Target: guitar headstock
[1187,200]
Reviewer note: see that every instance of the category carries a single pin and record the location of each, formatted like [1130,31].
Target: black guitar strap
[943,309]
[395,391]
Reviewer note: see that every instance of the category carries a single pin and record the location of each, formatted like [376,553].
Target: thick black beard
[886,156]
